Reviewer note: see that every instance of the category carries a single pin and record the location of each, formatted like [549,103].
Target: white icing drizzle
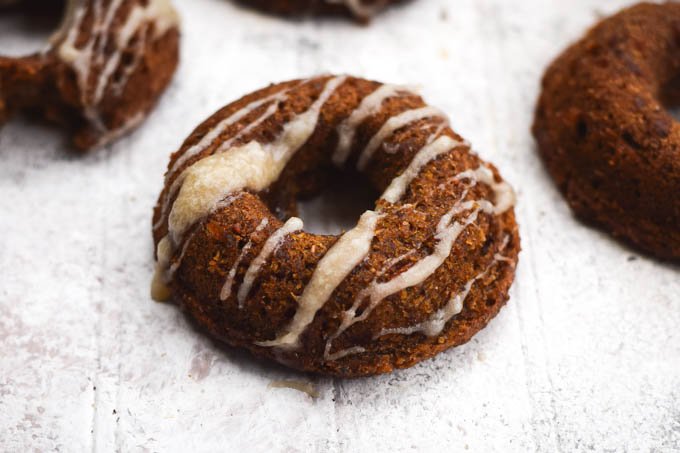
[271,110]
[398,186]
[393,148]
[391,126]
[91,56]
[173,267]
[446,235]
[342,353]
[226,289]
[252,166]
[504,196]
[73,7]
[370,105]
[111,135]
[349,316]
[435,325]
[351,249]
[270,246]
[118,85]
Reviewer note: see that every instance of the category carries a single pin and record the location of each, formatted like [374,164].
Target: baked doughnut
[603,130]
[362,10]
[101,72]
[424,270]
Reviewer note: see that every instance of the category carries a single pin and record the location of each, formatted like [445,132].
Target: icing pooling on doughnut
[102,53]
[215,132]
[252,166]
[255,166]
[209,138]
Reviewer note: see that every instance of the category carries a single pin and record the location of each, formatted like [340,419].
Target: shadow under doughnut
[360,10]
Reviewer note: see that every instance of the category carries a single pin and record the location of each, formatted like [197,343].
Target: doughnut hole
[670,97]
[338,205]
[26,25]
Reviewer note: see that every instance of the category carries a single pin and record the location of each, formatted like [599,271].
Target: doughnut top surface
[101,72]
[604,131]
[422,271]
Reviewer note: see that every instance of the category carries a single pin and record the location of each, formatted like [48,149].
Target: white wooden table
[586,356]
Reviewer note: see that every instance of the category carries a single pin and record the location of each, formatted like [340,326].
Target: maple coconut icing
[386,132]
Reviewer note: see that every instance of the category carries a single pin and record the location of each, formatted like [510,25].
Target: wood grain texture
[585,356]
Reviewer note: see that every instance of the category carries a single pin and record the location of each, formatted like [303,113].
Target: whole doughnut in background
[422,271]
[361,10]
[102,70]
[604,131]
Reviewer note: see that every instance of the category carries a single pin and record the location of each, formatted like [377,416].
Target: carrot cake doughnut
[423,271]
[362,10]
[101,72]
[604,131]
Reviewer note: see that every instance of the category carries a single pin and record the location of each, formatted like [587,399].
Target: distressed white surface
[585,356]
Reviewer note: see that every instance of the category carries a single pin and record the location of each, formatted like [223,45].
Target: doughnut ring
[423,271]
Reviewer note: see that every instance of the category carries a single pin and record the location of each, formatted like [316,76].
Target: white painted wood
[585,356]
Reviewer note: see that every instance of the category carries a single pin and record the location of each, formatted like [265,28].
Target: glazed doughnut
[362,10]
[424,270]
[604,132]
[102,71]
